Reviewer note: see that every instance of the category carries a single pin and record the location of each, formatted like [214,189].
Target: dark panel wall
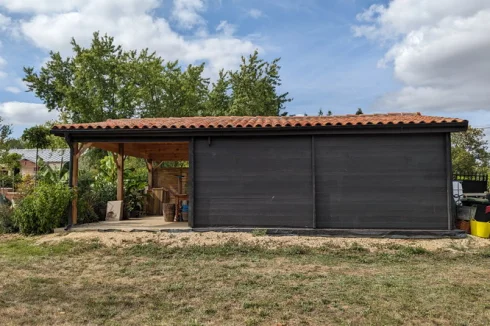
[253,181]
[381,181]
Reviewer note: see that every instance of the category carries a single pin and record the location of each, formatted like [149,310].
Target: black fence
[473,182]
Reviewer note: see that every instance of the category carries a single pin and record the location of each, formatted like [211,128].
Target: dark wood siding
[380,181]
[253,181]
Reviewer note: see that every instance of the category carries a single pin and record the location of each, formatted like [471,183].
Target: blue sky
[338,55]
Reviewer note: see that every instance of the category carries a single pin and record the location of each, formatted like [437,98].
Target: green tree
[329,113]
[7,159]
[320,112]
[219,100]
[5,132]
[93,85]
[37,137]
[359,111]
[254,88]
[15,143]
[54,141]
[469,151]
[104,81]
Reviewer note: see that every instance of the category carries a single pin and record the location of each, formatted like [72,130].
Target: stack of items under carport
[474,217]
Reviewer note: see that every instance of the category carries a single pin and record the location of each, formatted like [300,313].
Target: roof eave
[128,133]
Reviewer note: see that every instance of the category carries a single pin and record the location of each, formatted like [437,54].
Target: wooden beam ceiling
[154,151]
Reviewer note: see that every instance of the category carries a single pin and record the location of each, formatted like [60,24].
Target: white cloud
[40,6]
[255,13]
[3,63]
[439,51]
[8,26]
[133,24]
[21,113]
[187,13]
[4,22]
[226,28]
[13,89]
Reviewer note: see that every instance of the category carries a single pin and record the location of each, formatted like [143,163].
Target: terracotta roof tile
[263,122]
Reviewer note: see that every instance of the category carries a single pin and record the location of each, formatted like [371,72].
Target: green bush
[42,210]
[92,202]
[7,224]
[7,181]
[93,195]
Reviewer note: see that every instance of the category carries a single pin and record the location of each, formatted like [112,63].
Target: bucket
[463,225]
[480,229]
[168,212]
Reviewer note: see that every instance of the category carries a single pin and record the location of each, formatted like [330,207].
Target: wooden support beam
[74,208]
[149,166]
[120,172]
[83,148]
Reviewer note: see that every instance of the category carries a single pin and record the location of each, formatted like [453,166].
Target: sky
[422,56]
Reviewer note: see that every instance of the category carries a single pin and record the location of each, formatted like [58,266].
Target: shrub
[7,224]
[92,202]
[41,210]
[8,181]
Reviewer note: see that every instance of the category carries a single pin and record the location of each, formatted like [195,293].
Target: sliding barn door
[381,181]
[253,182]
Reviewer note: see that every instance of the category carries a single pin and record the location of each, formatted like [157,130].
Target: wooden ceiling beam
[156,152]
[114,147]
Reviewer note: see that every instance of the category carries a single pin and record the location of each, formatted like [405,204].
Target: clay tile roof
[264,122]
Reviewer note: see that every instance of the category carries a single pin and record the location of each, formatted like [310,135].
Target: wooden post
[120,173]
[149,166]
[150,207]
[74,208]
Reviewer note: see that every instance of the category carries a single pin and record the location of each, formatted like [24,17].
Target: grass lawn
[232,282]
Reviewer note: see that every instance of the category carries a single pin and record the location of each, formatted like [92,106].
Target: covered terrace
[154,153]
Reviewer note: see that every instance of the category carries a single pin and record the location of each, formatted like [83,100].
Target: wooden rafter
[83,148]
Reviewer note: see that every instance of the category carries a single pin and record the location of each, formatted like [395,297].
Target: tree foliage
[104,81]
[359,111]
[37,137]
[469,152]
[5,132]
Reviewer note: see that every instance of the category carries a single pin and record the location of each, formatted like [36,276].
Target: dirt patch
[122,239]
[9,237]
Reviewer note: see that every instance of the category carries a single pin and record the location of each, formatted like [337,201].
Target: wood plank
[149,167]
[170,157]
[174,153]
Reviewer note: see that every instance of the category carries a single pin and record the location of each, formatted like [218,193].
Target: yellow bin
[480,229]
